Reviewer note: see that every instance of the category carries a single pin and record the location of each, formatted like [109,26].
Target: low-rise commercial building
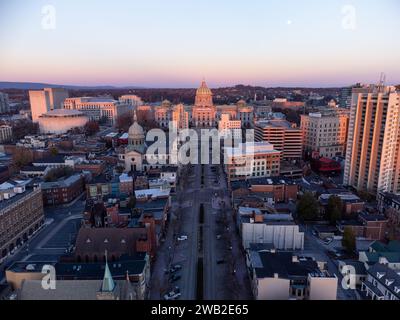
[62,191]
[283,276]
[280,230]
[257,159]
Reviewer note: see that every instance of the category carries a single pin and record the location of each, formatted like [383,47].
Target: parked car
[221,261]
[182,238]
[177,267]
[172,295]
[175,278]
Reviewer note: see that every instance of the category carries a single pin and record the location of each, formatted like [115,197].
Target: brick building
[62,191]
[21,214]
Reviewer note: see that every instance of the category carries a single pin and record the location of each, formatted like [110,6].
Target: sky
[176,43]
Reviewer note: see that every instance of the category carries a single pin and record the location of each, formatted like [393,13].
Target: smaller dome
[136,130]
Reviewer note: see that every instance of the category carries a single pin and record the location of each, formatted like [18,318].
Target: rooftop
[284,265]
[62,113]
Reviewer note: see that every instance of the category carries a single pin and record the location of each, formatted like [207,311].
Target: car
[328,240]
[175,278]
[221,261]
[182,238]
[177,267]
[219,237]
[172,295]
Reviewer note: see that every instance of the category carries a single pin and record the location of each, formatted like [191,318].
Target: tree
[23,128]
[349,240]
[131,202]
[57,173]
[53,151]
[21,157]
[91,128]
[307,207]
[124,121]
[334,209]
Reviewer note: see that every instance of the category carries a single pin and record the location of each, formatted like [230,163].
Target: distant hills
[39,86]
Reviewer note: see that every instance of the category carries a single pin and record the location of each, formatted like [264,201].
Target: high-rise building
[98,108]
[46,100]
[181,117]
[4,103]
[204,111]
[373,146]
[325,132]
[285,137]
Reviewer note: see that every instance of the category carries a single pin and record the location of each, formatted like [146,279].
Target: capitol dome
[203,90]
[203,96]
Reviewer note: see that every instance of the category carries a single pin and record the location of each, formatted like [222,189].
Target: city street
[211,253]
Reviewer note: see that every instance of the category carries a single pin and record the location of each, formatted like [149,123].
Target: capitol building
[204,111]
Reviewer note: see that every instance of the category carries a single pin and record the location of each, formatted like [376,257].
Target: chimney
[276,275]
[258,218]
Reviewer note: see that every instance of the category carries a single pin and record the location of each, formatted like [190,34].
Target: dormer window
[88,240]
[380,275]
[397,290]
[389,282]
[105,240]
[123,241]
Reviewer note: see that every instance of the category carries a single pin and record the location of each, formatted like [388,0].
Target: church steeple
[108,284]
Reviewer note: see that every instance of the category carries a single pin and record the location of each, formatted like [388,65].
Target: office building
[285,137]
[98,108]
[325,132]
[48,99]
